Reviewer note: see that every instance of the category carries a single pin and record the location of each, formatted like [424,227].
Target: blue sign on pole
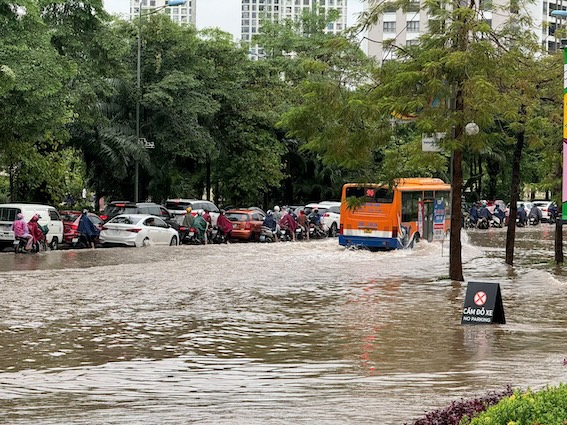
[438,220]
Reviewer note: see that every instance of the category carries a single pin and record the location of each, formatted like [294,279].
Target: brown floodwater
[288,333]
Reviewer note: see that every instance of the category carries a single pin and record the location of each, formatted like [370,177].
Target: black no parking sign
[483,304]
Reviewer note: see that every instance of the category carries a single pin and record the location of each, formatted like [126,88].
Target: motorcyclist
[201,225]
[288,222]
[21,231]
[499,213]
[535,213]
[522,217]
[188,218]
[277,214]
[485,212]
[207,216]
[225,225]
[303,221]
[34,229]
[552,211]
[315,217]
[270,221]
[87,229]
[473,214]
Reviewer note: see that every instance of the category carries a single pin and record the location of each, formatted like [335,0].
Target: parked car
[138,230]
[113,209]
[246,224]
[48,217]
[178,207]
[71,225]
[332,218]
[310,207]
[141,208]
[544,207]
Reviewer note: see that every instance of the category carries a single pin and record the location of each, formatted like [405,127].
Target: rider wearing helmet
[277,214]
[484,211]
[188,218]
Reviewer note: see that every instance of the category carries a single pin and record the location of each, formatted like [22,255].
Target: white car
[544,207]
[178,207]
[332,217]
[138,230]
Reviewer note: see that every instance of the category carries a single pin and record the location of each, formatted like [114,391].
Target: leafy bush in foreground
[457,410]
[545,407]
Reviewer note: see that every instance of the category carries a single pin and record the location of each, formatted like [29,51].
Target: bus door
[428,219]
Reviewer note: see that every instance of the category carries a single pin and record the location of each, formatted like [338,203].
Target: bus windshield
[379,195]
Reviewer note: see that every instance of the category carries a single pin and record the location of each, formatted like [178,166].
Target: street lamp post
[169,3]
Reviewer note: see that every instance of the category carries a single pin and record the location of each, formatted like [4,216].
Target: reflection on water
[273,333]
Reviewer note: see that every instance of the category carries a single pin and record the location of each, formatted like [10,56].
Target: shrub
[545,407]
[453,414]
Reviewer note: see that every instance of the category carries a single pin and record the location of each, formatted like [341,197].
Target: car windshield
[237,216]
[177,205]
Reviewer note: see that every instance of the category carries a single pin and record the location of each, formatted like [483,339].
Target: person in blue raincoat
[87,229]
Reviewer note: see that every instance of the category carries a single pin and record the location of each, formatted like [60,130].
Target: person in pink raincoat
[21,231]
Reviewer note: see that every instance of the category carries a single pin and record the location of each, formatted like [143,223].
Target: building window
[389,27]
[413,26]
[413,42]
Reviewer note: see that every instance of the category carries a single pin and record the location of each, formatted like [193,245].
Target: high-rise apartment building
[254,11]
[404,28]
[182,14]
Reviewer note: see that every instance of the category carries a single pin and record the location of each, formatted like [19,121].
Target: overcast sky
[224,14]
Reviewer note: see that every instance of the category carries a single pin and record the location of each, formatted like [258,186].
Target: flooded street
[287,333]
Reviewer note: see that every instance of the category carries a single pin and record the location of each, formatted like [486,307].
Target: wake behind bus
[381,216]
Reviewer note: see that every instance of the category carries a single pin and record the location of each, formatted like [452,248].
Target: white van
[48,217]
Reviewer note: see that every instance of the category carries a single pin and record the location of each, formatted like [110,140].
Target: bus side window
[409,205]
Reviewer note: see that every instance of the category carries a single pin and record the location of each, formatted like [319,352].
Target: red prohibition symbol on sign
[480,298]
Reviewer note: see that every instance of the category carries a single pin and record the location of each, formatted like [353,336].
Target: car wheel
[146,242]
[173,241]
[54,244]
[333,231]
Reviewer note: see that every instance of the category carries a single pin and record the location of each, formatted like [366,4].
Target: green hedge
[545,407]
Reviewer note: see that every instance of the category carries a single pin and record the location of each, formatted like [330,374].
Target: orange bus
[390,217]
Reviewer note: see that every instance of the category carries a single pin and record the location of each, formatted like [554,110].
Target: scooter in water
[20,246]
[482,223]
[266,235]
[317,232]
[495,221]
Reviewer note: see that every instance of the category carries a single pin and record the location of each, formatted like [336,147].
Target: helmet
[85,211]
[35,217]
[19,216]
[316,210]
[222,211]
[189,209]
[276,208]
[484,203]
[269,212]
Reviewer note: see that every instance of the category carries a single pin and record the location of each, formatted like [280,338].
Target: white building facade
[184,14]
[404,28]
[254,11]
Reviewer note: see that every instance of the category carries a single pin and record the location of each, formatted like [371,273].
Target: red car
[71,225]
[246,224]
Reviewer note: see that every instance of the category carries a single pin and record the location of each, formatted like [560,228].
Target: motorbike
[266,235]
[317,232]
[482,223]
[189,236]
[533,220]
[216,235]
[299,233]
[284,235]
[20,246]
[495,221]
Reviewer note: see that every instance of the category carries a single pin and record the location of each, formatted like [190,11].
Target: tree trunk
[514,197]
[455,255]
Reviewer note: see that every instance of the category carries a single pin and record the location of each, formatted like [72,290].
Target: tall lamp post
[169,3]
